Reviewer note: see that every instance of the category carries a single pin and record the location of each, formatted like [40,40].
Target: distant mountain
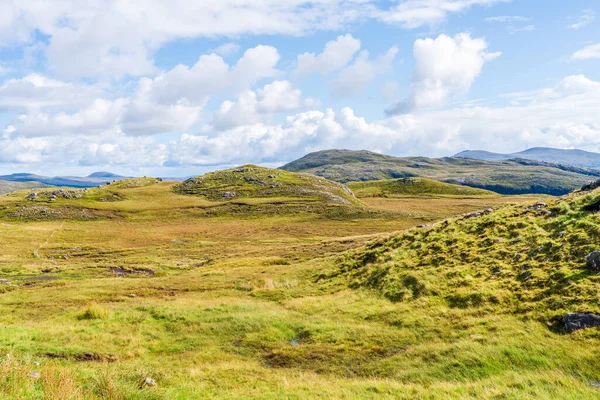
[8,187]
[95,179]
[578,158]
[103,174]
[516,176]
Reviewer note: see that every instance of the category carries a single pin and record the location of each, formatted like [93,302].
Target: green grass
[249,298]
[414,187]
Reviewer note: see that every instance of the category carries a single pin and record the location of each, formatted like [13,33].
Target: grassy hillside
[251,181]
[7,186]
[105,287]
[407,187]
[527,259]
[506,177]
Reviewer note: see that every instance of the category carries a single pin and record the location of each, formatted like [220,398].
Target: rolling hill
[420,187]
[517,176]
[251,181]
[527,259]
[578,158]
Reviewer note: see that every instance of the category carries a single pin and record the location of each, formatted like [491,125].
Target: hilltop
[526,259]
[420,187]
[578,158]
[505,177]
[251,181]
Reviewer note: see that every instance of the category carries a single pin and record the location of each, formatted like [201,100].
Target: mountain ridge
[514,176]
[574,157]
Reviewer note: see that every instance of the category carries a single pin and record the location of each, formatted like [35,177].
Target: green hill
[409,187]
[252,182]
[516,176]
[527,259]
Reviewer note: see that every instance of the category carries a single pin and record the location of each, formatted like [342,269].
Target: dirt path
[36,251]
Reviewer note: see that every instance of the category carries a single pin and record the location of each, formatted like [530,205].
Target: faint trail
[36,251]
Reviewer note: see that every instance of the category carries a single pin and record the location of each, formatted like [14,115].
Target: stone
[149,382]
[473,215]
[575,321]
[593,261]
[591,186]
[228,195]
[35,375]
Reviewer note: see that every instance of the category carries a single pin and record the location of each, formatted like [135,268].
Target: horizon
[186,94]
[212,168]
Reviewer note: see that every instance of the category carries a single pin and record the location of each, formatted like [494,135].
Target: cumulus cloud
[77,42]
[336,55]
[80,44]
[564,115]
[354,79]
[445,67]
[587,53]
[170,102]
[259,106]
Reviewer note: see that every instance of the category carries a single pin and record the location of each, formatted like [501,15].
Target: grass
[415,187]
[222,299]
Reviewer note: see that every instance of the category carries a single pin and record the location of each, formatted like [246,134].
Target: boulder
[575,321]
[593,261]
[591,186]
[228,195]
[148,382]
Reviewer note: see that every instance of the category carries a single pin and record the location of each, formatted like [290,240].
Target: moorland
[269,284]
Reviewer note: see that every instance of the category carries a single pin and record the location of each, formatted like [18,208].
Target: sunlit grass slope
[220,298]
[420,187]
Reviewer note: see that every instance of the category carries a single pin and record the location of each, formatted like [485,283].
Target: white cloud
[354,79]
[587,53]
[561,116]
[227,49]
[35,92]
[170,102]
[585,18]
[416,13]
[336,55]
[113,39]
[445,67]
[254,107]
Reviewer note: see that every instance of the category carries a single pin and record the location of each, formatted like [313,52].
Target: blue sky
[180,87]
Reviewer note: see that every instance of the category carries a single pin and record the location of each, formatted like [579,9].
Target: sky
[181,87]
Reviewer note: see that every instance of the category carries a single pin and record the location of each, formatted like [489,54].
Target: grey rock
[473,215]
[593,261]
[575,321]
[35,375]
[228,195]
[149,382]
